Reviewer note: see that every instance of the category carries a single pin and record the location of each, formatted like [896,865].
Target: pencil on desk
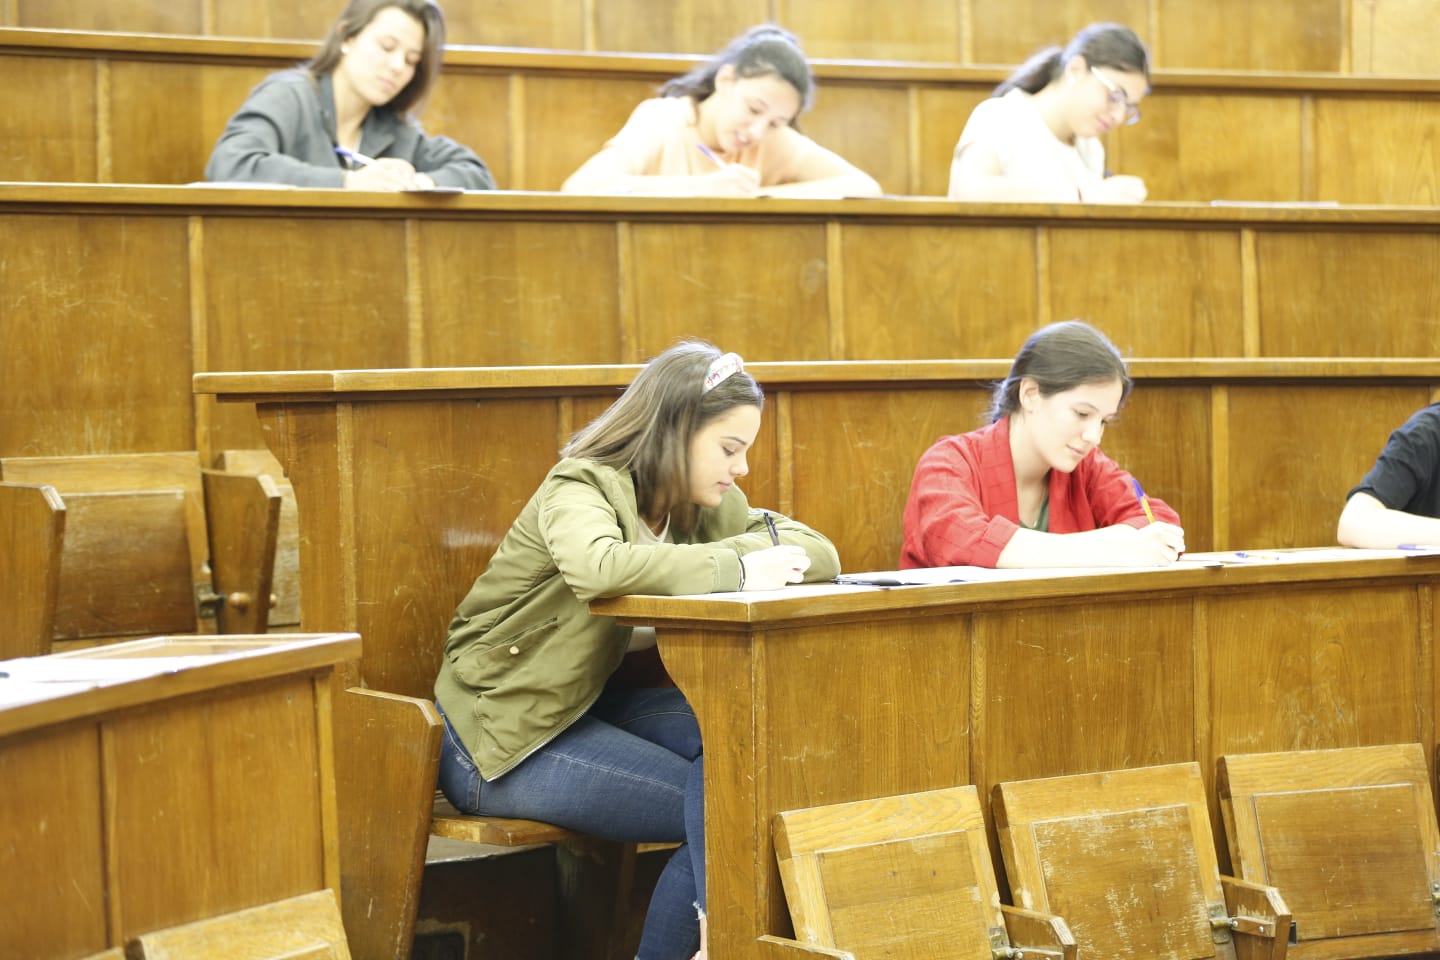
[1144,500]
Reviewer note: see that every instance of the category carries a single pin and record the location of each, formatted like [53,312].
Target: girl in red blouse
[1032,489]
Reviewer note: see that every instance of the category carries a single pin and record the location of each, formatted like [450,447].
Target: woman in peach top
[726,129]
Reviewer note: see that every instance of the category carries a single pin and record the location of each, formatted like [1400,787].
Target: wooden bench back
[1349,838]
[1125,856]
[306,927]
[32,523]
[285,581]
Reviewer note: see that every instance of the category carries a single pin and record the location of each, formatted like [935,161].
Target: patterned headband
[721,368]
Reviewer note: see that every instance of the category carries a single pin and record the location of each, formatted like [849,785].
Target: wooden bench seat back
[1349,838]
[1126,857]
[242,515]
[306,927]
[285,580]
[32,523]
[906,877]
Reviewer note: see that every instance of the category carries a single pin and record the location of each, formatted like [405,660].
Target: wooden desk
[201,785]
[826,694]
[407,479]
[148,109]
[182,281]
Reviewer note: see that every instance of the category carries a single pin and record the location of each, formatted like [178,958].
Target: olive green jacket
[524,658]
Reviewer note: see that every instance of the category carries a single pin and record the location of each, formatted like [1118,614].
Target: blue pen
[709,153]
[354,156]
[1144,500]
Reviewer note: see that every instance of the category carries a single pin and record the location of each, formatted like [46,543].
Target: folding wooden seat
[906,877]
[140,556]
[1128,859]
[32,523]
[306,927]
[1348,837]
[285,582]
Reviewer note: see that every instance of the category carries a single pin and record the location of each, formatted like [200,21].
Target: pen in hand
[774,534]
[711,154]
[1144,500]
[354,156]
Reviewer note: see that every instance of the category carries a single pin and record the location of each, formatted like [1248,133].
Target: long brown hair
[763,51]
[648,430]
[1101,44]
[1061,357]
[357,16]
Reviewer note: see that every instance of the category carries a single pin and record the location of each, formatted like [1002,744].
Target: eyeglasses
[1118,98]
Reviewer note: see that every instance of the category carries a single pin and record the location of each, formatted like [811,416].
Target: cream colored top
[1027,149]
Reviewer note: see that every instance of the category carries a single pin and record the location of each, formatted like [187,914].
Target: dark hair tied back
[1061,357]
[762,51]
[1101,44]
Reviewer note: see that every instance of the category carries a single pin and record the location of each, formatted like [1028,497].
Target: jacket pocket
[484,664]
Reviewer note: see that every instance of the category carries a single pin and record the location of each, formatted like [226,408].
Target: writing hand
[1119,189]
[387,174]
[773,567]
[731,180]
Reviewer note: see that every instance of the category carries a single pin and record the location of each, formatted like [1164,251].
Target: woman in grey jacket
[345,118]
[644,501]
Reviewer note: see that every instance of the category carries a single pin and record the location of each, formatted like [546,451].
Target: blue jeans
[629,770]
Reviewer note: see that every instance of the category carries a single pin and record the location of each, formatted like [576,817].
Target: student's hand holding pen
[773,567]
[389,174]
[728,179]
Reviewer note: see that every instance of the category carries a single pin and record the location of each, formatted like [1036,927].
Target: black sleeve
[1408,465]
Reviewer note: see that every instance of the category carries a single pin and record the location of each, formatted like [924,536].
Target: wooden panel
[166,117]
[1179,469]
[285,312]
[474,109]
[685,26]
[32,525]
[82,297]
[1241,35]
[53,137]
[552,24]
[1378,150]
[1396,37]
[1321,440]
[307,926]
[1324,296]
[1174,148]
[52,814]
[280,19]
[867,125]
[1071,690]
[527,293]
[688,284]
[180,16]
[165,831]
[568,119]
[850,29]
[1008,33]
[1155,293]
[847,440]
[1303,669]
[941,113]
[977,298]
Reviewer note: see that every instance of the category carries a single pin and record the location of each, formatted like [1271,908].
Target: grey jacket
[285,133]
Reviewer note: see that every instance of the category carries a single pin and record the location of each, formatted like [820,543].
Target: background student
[1032,489]
[359,93]
[1037,138]
[644,501]
[1399,499]
[726,129]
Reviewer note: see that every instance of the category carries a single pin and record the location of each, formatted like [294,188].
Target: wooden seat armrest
[243,524]
[780,947]
[1260,920]
[1038,934]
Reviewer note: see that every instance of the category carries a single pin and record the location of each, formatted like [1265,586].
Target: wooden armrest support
[1260,920]
[783,947]
[1038,934]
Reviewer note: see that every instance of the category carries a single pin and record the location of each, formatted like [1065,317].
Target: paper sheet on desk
[930,576]
[98,669]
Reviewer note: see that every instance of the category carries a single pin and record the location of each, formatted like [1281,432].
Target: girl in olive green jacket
[644,502]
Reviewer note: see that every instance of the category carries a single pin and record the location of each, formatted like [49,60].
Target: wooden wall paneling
[1396,37]
[774,301]
[132,16]
[1302,35]
[1155,293]
[943,111]
[94,318]
[928,30]
[156,810]
[311,297]
[283,19]
[52,814]
[543,24]
[1324,295]
[854,454]
[1008,33]
[474,109]
[938,292]
[54,137]
[501,292]
[166,117]
[1378,149]
[1180,149]
[567,119]
[1177,470]
[679,26]
[1304,669]
[1317,443]
[867,124]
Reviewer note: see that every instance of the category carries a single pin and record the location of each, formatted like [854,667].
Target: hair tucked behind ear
[1101,44]
[648,430]
[762,51]
[357,16]
[1061,357]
